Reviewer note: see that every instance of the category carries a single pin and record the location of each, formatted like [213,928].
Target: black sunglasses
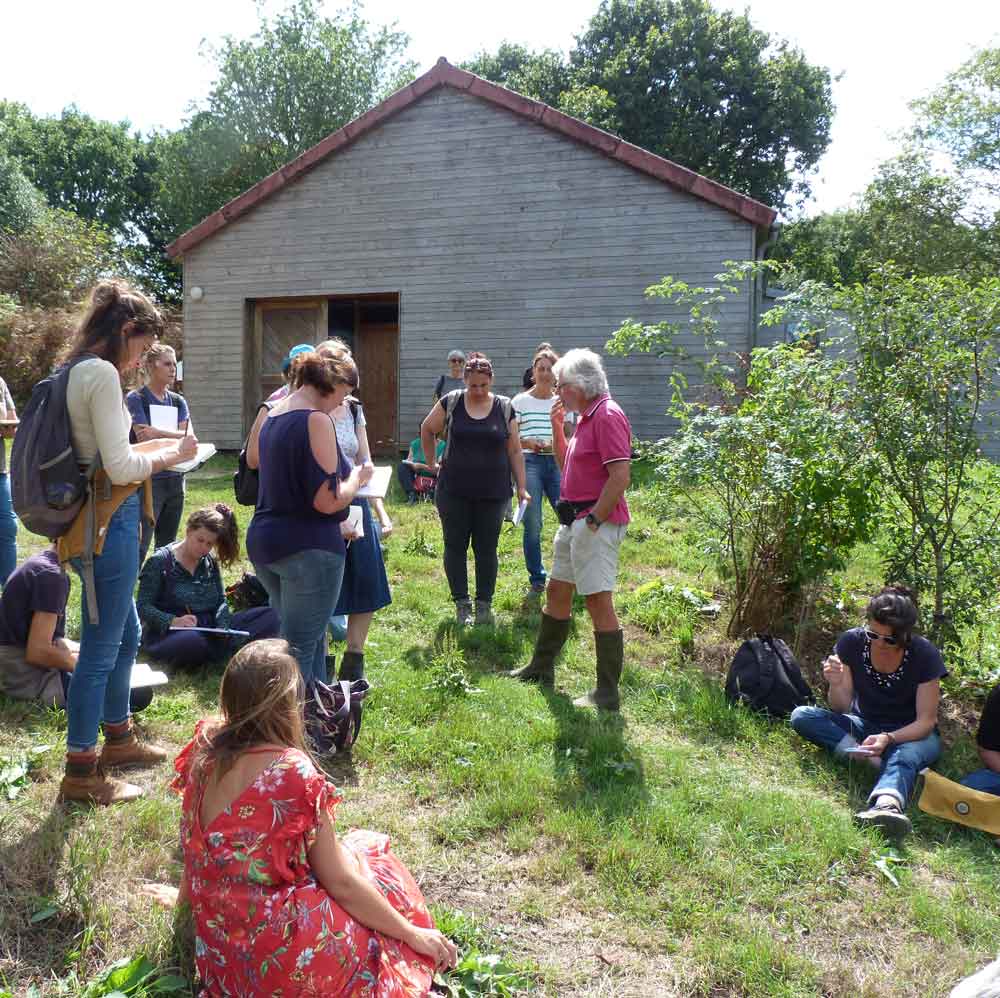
[875,636]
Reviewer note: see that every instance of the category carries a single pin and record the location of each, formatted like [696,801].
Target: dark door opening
[369,324]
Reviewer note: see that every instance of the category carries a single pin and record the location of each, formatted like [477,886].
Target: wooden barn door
[376,349]
[278,325]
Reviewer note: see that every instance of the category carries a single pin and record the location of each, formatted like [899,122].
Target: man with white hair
[593,516]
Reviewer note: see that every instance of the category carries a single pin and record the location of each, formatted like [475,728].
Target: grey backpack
[48,486]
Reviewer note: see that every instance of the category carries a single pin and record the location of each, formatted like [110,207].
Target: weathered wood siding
[496,232]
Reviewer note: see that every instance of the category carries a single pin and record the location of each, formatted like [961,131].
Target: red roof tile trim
[444,74]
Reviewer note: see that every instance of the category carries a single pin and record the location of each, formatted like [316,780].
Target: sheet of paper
[355,517]
[163,417]
[378,485]
[519,512]
[143,675]
[205,451]
[214,630]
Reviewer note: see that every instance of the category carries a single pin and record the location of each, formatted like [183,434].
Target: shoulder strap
[449,402]
[507,405]
[355,406]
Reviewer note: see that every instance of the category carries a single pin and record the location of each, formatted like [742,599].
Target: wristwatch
[592,520]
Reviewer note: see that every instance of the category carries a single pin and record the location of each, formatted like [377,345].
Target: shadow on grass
[484,649]
[32,917]
[340,768]
[595,767]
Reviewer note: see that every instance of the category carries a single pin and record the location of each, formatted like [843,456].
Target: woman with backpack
[119,326]
[180,590]
[159,368]
[473,489]
[885,687]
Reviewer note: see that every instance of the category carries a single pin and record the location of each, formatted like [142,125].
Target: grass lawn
[687,848]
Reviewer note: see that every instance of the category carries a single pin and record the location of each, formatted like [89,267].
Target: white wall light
[197,293]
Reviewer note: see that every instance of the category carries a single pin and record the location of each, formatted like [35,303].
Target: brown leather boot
[122,747]
[86,782]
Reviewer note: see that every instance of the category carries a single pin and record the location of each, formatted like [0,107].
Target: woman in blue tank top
[294,539]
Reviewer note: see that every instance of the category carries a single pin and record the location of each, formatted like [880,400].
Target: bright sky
[122,59]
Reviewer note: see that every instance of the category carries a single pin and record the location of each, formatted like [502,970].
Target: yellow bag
[949,800]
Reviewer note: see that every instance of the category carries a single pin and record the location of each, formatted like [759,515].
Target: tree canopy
[300,77]
[699,86]
[931,210]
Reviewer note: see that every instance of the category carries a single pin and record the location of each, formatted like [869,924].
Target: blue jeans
[8,531]
[986,780]
[542,479]
[304,588]
[900,763]
[99,690]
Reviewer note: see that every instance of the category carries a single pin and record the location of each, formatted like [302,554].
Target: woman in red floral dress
[282,907]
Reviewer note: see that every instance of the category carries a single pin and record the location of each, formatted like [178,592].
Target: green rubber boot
[352,666]
[610,659]
[552,635]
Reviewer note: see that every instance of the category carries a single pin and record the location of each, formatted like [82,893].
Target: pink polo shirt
[603,435]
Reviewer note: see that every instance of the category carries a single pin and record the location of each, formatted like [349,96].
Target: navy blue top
[888,699]
[139,401]
[988,735]
[39,585]
[285,521]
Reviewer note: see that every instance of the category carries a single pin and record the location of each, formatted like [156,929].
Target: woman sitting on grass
[181,587]
[885,686]
[280,904]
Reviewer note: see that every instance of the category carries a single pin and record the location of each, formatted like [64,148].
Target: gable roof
[443,74]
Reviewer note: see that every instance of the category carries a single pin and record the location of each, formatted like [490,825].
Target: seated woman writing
[280,904]
[885,686]
[180,587]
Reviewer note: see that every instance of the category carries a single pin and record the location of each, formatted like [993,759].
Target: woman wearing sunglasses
[885,686]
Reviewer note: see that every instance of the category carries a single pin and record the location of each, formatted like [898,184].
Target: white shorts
[587,558]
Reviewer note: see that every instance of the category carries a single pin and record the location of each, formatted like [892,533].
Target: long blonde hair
[261,700]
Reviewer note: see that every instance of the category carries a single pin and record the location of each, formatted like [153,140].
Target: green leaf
[43,914]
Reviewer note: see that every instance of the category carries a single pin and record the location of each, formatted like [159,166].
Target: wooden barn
[455,214]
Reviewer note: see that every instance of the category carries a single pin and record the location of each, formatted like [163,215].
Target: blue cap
[293,353]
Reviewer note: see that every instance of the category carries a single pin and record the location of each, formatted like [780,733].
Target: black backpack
[765,676]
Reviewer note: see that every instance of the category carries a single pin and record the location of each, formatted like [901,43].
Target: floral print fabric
[264,926]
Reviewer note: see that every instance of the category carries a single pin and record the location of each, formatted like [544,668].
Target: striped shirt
[533,417]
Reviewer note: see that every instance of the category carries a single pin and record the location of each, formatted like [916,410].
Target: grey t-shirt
[446,384]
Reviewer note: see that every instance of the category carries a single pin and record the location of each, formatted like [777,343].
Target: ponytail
[221,521]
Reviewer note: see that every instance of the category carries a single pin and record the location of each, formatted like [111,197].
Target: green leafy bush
[21,203]
[661,608]
[55,260]
[924,381]
[776,470]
